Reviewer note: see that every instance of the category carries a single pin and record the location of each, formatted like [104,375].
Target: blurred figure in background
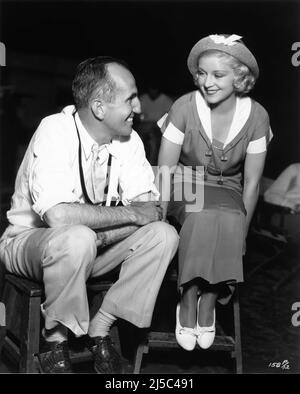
[285,190]
[154,104]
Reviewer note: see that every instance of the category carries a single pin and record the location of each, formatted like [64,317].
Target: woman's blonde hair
[244,79]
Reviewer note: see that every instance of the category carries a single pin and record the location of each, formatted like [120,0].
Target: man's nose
[136,106]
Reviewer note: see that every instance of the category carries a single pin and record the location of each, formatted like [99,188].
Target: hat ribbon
[231,40]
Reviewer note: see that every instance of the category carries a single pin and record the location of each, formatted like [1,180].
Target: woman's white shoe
[185,336]
[205,335]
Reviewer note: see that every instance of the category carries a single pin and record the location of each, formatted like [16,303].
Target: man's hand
[146,212]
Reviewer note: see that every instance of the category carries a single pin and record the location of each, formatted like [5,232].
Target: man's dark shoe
[54,358]
[106,358]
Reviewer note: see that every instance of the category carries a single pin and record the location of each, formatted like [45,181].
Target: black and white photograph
[150,189]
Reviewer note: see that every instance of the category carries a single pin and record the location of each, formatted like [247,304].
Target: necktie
[98,172]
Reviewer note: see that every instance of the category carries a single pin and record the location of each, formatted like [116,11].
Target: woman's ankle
[207,306]
[188,313]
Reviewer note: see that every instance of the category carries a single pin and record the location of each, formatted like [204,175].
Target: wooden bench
[21,334]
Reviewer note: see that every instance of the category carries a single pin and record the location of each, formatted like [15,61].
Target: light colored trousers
[65,257]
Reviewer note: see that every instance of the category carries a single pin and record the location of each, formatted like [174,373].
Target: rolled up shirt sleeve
[51,179]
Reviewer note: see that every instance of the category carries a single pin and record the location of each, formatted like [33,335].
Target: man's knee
[294,168]
[166,233]
[77,242]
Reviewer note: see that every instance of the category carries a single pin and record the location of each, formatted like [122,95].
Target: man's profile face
[118,117]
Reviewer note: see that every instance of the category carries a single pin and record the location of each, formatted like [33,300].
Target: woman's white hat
[230,45]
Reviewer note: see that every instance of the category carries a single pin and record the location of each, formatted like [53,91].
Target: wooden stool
[223,341]
[21,335]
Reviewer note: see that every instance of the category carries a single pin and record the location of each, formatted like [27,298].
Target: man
[78,162]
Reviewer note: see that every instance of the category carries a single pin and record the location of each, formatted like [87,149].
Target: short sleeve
[262,133]
[172,125]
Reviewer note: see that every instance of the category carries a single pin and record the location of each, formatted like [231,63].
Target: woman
[221,135]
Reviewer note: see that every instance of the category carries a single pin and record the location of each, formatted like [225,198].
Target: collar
[240,117]
[86,140]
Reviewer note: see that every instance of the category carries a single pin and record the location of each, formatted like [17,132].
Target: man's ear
[98,109]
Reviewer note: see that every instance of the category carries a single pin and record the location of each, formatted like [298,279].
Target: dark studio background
[45,40]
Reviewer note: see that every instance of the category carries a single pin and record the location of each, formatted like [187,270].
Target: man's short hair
[92,80]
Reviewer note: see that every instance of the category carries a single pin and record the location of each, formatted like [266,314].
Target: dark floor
[271,288]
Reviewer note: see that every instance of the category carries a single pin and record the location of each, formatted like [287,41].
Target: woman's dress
[207,187]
